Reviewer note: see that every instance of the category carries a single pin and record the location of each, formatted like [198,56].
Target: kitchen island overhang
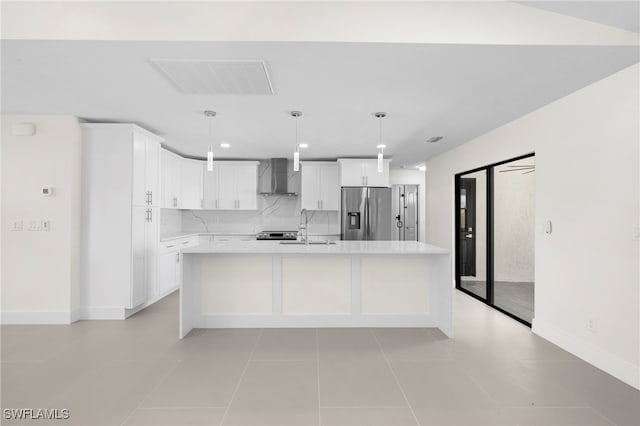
[260,284]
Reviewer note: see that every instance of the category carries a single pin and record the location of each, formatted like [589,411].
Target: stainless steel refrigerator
[366,213]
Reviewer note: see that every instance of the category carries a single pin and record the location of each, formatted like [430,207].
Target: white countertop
[177,235]
[340,247]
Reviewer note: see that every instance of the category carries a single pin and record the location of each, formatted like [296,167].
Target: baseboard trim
[102,313]
[75,315]
[37,317]
[609,363]
[314,321]
[129,312]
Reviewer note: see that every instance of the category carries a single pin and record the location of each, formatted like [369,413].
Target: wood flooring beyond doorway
[136,372]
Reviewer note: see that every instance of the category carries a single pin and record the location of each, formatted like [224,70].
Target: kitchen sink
[314,243]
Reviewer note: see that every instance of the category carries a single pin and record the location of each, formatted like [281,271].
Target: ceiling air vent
[216,77]
[435,139]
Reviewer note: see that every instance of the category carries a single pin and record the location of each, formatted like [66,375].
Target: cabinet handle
[175,201]
[177,257]
[318,204]
[150,215]
[170,246]
[150,197]
[185,242]
[363,184]
[216,204]
[321,204]
[201,203]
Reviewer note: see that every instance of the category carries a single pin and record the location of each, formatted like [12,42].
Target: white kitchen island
[260,284]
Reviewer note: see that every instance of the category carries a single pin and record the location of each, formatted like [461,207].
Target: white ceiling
[620,14]
[457,91]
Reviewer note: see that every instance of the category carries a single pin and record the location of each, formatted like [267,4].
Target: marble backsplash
[276,213]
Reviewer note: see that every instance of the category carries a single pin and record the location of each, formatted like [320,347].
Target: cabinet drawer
[178,244]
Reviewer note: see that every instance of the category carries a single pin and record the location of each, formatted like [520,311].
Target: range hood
[278,174]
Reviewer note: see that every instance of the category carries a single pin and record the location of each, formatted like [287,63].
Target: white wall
[588,185]
[412,177]
[40,270]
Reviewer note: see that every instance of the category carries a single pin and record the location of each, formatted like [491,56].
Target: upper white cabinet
[191,183]
[232,185]
[320,185]
[363,172]
[182,182]
[146,169]
[171,171]
[120,215]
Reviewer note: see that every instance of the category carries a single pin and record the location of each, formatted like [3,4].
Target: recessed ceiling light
[381,146]
[422,168]
[303,145]
[224,145]
[435,139]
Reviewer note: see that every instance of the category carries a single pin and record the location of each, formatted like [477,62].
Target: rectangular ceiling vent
[216,77]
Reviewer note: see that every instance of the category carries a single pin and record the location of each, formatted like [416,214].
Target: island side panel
[190,287]
[441,282]
[395,285]
[237,285]
[316,285]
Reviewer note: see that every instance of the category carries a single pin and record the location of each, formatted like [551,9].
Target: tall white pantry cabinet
[120,218]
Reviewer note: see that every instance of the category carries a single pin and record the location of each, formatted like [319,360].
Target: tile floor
[135,372]
[516,298]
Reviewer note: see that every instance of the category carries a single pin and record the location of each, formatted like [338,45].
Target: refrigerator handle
[367,227]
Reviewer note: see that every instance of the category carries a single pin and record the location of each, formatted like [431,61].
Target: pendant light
[381,146]
[296,154]
[210,114]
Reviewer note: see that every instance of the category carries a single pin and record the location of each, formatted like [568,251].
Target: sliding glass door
[472,233]
[495,235]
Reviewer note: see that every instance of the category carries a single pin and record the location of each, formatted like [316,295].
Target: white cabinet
[232,185]
[146,169]
[170,263]
[363,172]
[169,271]
[320,186]
[120,216]
[191,176]
[171,170]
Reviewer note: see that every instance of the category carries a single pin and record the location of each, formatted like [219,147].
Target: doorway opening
[494,216]
[404,212]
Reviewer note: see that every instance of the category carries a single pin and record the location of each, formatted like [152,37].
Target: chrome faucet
[304,226]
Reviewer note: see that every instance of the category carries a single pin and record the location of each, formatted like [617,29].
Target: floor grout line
[178,407]
[160,382]
[384,355]
[244,370]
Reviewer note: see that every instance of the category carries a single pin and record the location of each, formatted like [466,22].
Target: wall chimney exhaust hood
[278,171]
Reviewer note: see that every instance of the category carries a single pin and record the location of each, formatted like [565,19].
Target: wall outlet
[591,325]
[46,225]
[16,225]
[35,225]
